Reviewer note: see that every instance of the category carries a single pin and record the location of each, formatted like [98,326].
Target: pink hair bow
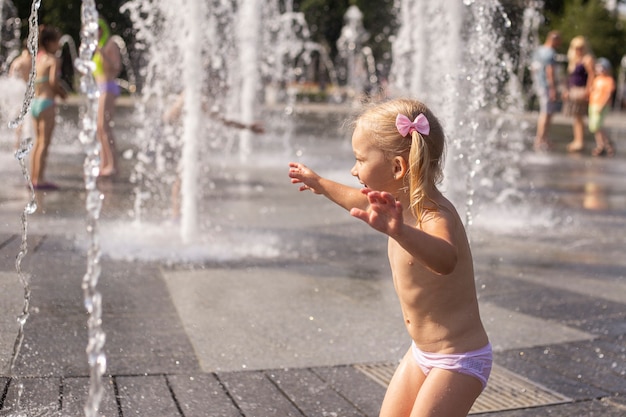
[405,126]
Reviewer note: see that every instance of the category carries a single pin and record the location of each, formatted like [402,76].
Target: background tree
[604,30]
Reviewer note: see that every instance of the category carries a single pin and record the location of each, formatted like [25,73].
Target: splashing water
[217,54]
[93,203]
[467,77]
[32,45]
[21,153]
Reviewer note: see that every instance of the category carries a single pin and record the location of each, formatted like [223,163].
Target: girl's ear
[400,167]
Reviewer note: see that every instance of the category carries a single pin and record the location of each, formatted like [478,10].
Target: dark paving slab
[144,333]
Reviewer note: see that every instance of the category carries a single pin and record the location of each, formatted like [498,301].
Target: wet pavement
[286,307]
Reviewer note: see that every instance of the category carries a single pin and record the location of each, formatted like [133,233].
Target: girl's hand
[300,174]
[383,214]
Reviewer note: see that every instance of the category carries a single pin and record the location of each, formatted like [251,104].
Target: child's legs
[446,394]
[602,139]
[44,125]
[403,388]
[105,131]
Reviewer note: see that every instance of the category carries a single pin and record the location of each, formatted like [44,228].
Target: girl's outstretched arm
[343,195]
[433,246]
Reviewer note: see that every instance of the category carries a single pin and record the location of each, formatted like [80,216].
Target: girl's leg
[403,388]
[105,134]
[35,159]
[49,122]
[603,144]
[446,394]
[578,127]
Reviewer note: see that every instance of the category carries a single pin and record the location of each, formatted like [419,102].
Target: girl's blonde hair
[424,153]
[577,42]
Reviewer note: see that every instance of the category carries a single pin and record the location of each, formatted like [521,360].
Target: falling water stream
[25,146]
[468,79]
[87,136]
[93,203]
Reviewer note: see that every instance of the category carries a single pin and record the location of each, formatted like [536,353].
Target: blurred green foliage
[604,30]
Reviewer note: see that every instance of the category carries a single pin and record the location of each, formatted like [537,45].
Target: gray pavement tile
[606,325]
[74,396]
[256,395]
[572,309]
[591,365]
[202,395]
[144,332]
[146,396]
[366,394]
[311,394]
[579,409]
[37,396]
[530,364]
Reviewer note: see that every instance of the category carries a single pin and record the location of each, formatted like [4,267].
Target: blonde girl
[399,148]
[580,74]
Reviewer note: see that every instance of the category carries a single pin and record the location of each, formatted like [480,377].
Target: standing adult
[108,65]
[544,79]
[47,87]
[580,74]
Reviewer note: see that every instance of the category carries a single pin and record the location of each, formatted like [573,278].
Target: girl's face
[372,167]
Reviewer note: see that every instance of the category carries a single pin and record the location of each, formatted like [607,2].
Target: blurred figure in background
[108,62]
[580,73]
[600,105]
[43,109]
[544,81]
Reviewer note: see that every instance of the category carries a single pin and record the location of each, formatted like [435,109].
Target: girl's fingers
[359,214]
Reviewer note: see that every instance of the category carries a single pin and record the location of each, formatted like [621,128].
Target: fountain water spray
[25,146]
[450,55]
[217,55]
[93,203]
[192,74]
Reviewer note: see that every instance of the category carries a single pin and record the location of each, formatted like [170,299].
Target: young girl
[399,149]
[108,64]
[599,106]
[47,87]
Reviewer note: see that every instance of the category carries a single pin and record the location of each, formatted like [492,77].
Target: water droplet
[30,208]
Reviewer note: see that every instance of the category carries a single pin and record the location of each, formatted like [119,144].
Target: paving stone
[583,361]
[525,363]
[75,393]
[202,395]
[146,396]
[256,395]
[312,395]
[33,396]
[366,394]
[589,408]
